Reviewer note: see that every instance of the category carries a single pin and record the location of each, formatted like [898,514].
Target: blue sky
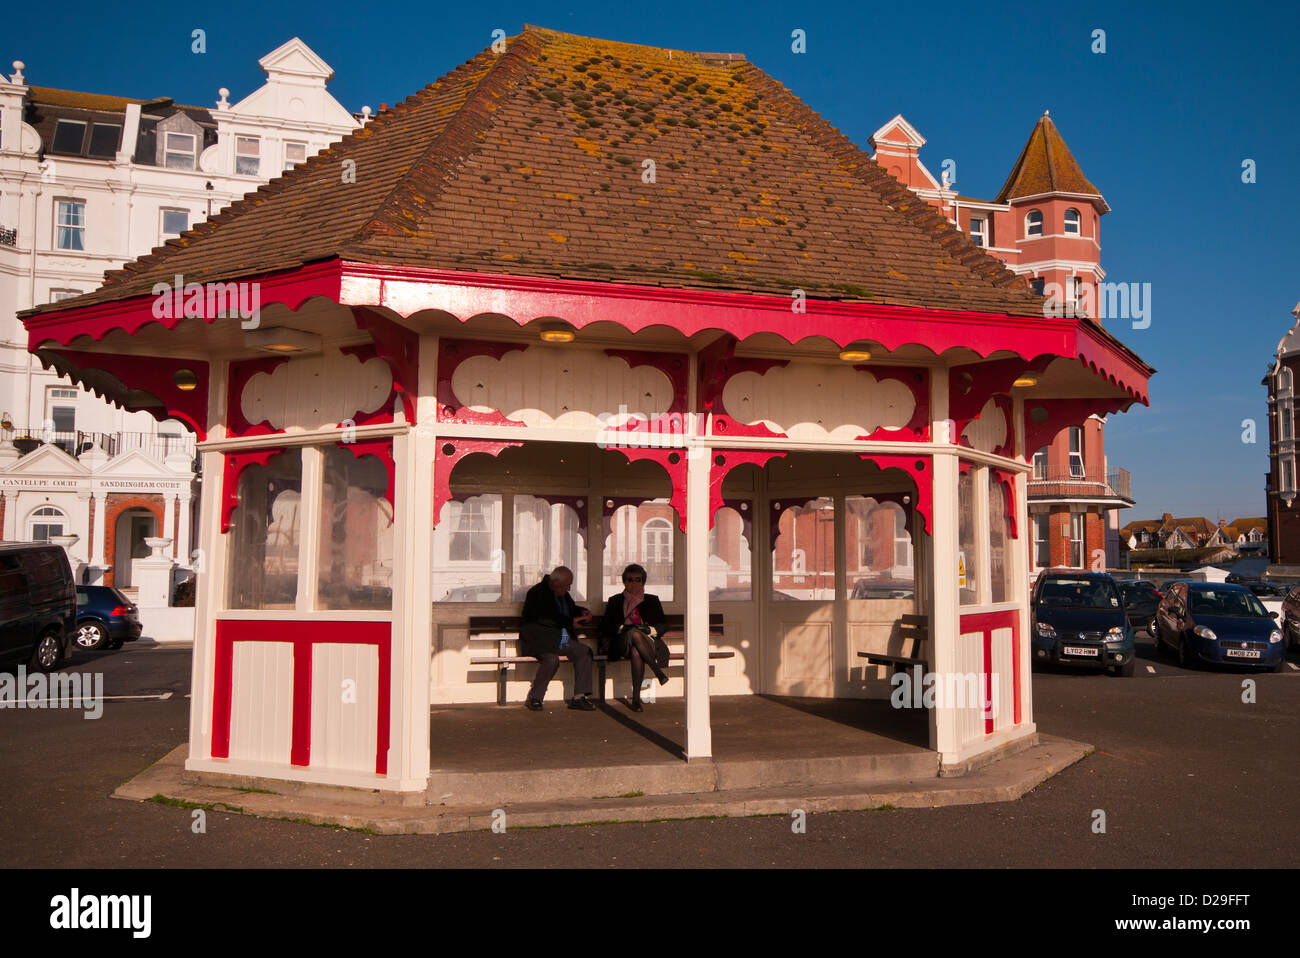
[1161,122]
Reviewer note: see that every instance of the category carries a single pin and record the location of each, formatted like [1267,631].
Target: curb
[1002,781]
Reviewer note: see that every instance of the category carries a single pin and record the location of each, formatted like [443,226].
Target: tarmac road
[1187,774]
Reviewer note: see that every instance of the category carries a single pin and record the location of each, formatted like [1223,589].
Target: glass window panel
[71,225]
[468,563]
[999,546]
[1076,540]
[879,549]
[175,222]
[103,139]
[547,535]
[731,575]
[642,534]
[265,529]
[68,135]
[356,533]
[803,560]
[247,151]
[966,537]
[294,153]
[1042,542]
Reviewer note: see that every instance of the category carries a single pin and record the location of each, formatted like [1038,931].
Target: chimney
[1168,518]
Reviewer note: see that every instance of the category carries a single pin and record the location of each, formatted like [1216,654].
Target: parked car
[1220,624]
[1290,617]
[1140,603]
[1269,595]
[1078,619]
[105,618]
[38,607]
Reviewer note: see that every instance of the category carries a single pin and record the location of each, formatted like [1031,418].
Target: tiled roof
[1046,165]
[532,162]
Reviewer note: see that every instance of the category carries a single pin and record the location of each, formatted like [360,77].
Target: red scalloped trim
[676,473]
[384,413]
[1008,480]
[732,459]
[1062,413]
[149,374]
[453,352]
[717,364]
[988,380]
[382,449]
[444,462]
[922,472]
[235,464]
[399,347]
[918,382]
[238,376]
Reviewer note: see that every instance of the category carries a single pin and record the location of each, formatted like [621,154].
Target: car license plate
[1242,653]
[1078,650]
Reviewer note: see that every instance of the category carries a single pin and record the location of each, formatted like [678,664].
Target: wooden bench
[505,628]
[914,627]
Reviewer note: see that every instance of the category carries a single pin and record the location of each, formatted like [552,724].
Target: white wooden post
[944,608]
[699,734]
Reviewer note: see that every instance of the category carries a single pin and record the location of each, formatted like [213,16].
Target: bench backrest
[498,624]
[917,629]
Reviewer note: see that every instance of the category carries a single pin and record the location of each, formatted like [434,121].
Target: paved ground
[1186,773]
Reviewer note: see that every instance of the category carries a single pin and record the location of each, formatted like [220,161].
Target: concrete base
[1002,781]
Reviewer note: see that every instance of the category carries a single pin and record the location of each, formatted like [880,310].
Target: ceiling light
[557,333]
[1028,379]
[185,380]
[282,339]
[855,352]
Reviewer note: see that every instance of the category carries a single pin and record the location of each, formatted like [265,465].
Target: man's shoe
[534,705]
[582,702]
[635,705]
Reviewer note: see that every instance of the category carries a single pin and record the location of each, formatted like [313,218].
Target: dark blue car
[1078,619]
[105,618]
[1219,624]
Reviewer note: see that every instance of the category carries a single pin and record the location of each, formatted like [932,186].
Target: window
[1076,294]
[70,225]
[730,562]
[175,222]
[45,523]
[803,556]
[978,231]
[247,153]
[1034,223]
[104,138]
[179,154]
[294,153]
[1076,540]
[58,295]
[265,529]
[1042,540]
[1071,222]
[1285,416]
[1076,453]
[356,533]
[879,549]
[468,563]
[968,557]
[1039,286]
[547,535]
[999,534]
[68,136]
[640,533]
[1040,464]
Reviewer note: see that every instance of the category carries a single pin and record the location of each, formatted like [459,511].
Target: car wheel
[1182,654]
[1154,631]
[47,653]
[91,636]
[1126,669]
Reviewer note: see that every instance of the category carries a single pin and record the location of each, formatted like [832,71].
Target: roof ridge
[395,212]
[915,212]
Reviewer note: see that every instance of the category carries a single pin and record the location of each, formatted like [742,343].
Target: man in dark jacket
[550,618]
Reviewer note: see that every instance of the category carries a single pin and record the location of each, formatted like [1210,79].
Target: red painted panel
[1008,480]
[987,623]
[154,375]
[451,451]
[400,348]
[240,373]
[382,449]
[235,464]
[453,352]
[917,381]
[303,634]
[366,352]
[921,469]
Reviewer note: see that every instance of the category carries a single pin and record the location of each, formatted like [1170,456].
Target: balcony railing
[1080,483]
[76,444]
[8,237]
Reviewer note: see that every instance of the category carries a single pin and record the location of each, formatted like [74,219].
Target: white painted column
[169,517]
[944,599]
[183,533]
[1025,563]
[699,734]
[101,527]
[412,635]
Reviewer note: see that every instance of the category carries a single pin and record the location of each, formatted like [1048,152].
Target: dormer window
[247,155]
[103,139]
[979,231]
[179,153]
[1039,285]
[68,136]
[1034,223]
[1072,222]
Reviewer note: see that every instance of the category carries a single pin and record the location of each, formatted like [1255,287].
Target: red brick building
[1045,224]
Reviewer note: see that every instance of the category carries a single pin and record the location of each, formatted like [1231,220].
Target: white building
[89,182]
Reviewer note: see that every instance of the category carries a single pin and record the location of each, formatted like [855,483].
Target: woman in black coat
[631,630]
